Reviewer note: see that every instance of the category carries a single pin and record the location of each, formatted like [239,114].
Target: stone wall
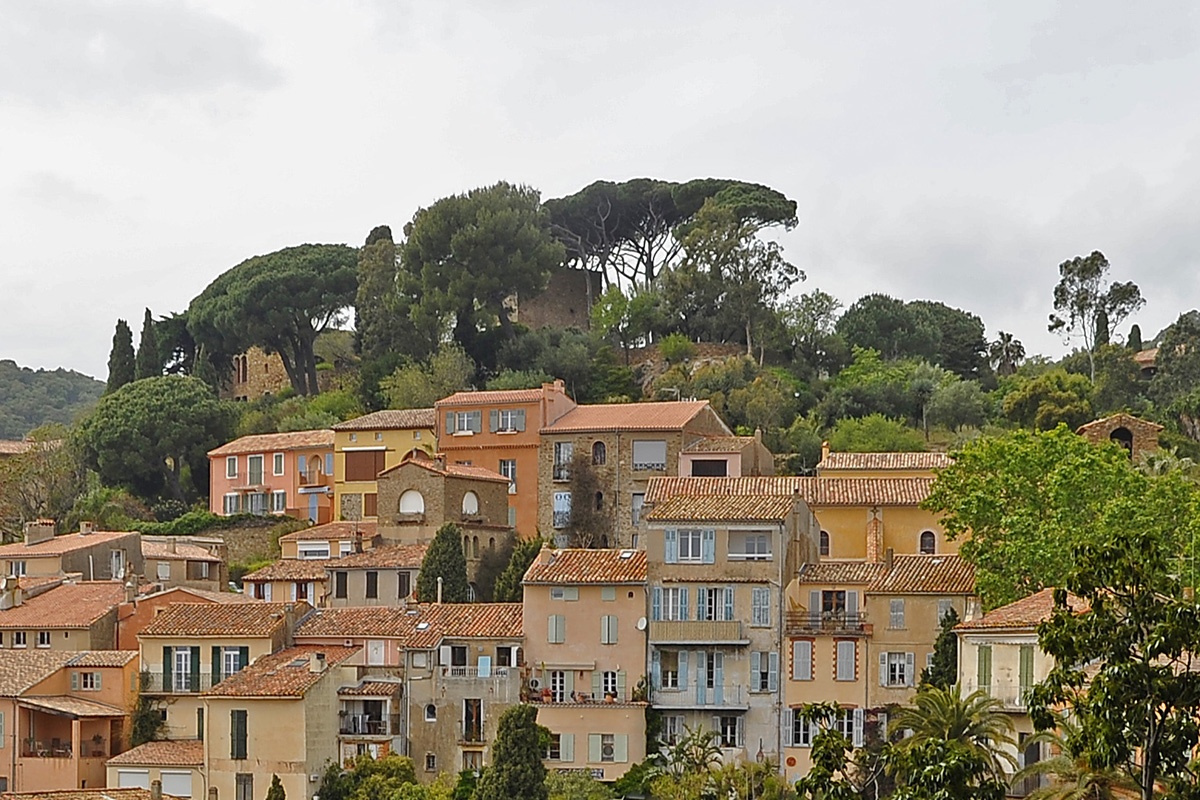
[564,304]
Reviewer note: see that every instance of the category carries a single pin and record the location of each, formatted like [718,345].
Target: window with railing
[563,453]
[254,469]
[562,509]
[649,455]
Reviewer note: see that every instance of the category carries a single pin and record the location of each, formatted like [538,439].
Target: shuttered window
[237,734]
[364,465]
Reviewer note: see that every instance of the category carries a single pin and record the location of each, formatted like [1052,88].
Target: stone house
[366,446]
[626,444]
[186,561]
[584,616]
[1137,436]
[274,473]
[290,579]
[59,615]
[94,555]
[331,540]
[499,431]
[383,576]
[255,374]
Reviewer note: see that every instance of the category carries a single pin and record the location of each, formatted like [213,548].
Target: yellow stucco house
[366,446]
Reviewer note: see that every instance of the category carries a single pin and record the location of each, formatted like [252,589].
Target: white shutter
[176,783]
[444,655]
[755,669]
[802,660]
[851,604]
[594,748]
[566,747]
[858,727]
[909,668]
[814,606]
[883,658]
[621,748]
[772,672]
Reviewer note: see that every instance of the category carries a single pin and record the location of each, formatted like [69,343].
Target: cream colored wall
[276,744]
[356,587]
[72,640]
[1006,671]
[920,632]
[199,790]
[579,721]
[397,444]
[902,528]
[36,567]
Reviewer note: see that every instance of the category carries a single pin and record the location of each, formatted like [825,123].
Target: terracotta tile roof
[183,552]
[211,619]
[466,621]
[450,470]
[724,508]
[885,461]
[387,622]
[587,566]
[840,572]
[491,398]
[1128,420]
[926,574]
[817,492]
[181,753]
[85,794]
[1024,613]
[274,442]
[68,705]
[72,605]
[719,444]
[33,582]
[392,419]
[401,556]
[104,658]
[370,688]
[291,569]
[66,543]
[1146,358]
[20,670]
[204,594]
[669,416]
[11,448]
[283,674]
[333,530]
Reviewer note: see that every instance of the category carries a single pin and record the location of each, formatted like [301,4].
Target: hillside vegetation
[31,398]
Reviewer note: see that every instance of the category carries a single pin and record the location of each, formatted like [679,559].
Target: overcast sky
[953,151]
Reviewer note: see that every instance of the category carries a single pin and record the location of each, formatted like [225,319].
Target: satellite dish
[641,624]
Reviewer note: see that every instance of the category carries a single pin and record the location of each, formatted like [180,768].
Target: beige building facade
[366,446]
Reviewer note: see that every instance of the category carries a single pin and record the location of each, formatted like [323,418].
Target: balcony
[697,632]
[369,725]
[562,473]
[1012,698]
[728,696]
[471,673]
[649,466]
[561,519]
[312,477]
[179,683]
[841,624]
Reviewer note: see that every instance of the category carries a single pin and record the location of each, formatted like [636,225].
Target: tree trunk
[173,484]
[294,371]
[506,325]
[749,344]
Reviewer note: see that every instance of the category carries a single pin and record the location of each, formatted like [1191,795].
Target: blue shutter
[329,463]
[656,603]
[683,669]
[671,546]
[718,668]
[656,669]
[493,420]
[755,669]
[449,422]
[708,545]
[683,603]
[302,465]
[701,601]
[701,676]
[520,419]
[729,603]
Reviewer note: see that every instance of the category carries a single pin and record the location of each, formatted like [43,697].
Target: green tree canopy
[810,320]
[516,769]
[875,433]
[1085,307]
[889,326]
[1177,366]
[121,365]
[959,342]
[420,385]
[1050,399]
[509,587]
[42,482]
[31,398]
[381,310]
[275,790]
[1006,354]
[149,362]
[145,434]
[942,672]
[444,559]
[281,302]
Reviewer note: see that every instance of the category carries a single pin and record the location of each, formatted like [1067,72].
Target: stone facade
[256,374]
[442,495]
[566,302]
[1136,435]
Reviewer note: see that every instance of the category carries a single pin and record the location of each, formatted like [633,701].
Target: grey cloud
[56,191]
[54,52]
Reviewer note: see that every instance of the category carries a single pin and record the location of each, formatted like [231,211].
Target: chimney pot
[824,449]
[155,790]
[439,594]
[86,528]
[317,662]
[40,531]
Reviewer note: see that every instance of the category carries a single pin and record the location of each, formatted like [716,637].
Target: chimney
[11,595]
[317,662]
[130,591]
[439,596]
[875,536]
[889,559]
[155,790]
[86,528]
[39,531]
[824,449]
[170,544]
[758,435]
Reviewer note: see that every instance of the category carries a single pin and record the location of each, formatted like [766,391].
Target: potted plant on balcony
[546,695]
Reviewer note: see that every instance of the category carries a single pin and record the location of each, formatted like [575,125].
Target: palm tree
[1006,353]
[975,721]
[1074,778]
[698,750]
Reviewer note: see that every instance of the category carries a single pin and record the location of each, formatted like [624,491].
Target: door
[313,509]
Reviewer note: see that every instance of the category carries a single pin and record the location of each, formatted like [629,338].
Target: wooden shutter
[493,420]
[910,664]
[755,670]
[194,667]
[1026,670]
[729,604]
[814,606]
[74,681]
[371,503]
[566,747]
[708,545]
[772,672]
[594,748]
[621,684]
[596,683]
[656,603]
[683,669]
[656,669]
[216,665]
[883,664]
[683,602]
[985,668]
[449,422]
[851,604]
[621,748]
[802,652]
[671,546]
[858,728]
[520,419]
[243,657]
[168,664]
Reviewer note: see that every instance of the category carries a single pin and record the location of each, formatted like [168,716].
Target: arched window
[470,504]
[411,502]
[431,713]
[475,547]
[1123,437]
[824,543]
[599,453]
[604,540]
[928,543]
[466,547]
[492,543]
[599,501]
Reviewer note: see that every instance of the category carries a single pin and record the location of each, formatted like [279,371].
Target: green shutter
[99,681]
[194,666]
[594,748]
[243,657]
[74,681]
[985,668]
[216,665]
[168,657]
[237,734]
[1026,674]
[493,420]
[620,748]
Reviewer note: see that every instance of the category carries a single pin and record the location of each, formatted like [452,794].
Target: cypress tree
[517,769]
[1135,339]
[508,585]
[943,672]
[444,559]
[120,359]
[149,358]
[276,792]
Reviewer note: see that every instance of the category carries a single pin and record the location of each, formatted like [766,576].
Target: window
[470,504]
[896,615]
[558,685]
[710,467]
[508,468]
[847,658]
[689,544]
[231,466]
[89,681]
[244,783]
[232,660]
[372,585]
[672,729]
[431,713]
[928,542]
[412,502]
[669,603]
[562,509]
[896,669]
[764,671]
[510,419]
[164,570]
[599,453]
[278,501]
[430,762]
[232,504]
[554,747]
[608,747]
[669,668]
[824,550]
[464,422]
[730,728]
[43,639]
[472,719]
[364,465]
[370,504]
[750,546]
[302,465]
[945,606]
[18,638]
[649,455]
[254,470]
[237,734]
[182,678]
[557,629]
[563,453]
[404,582]
[802,731]
[760,607]
[609,682]
[636,502]
[802,660]
[255,503]
[339,585]
[277,464]
[608,629]
[378,436]
[312,550]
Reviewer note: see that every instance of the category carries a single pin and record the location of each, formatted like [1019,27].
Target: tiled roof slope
[668,416]
[391,419]
[910,574]
[497,397]
[182,753]
[467,621]
[22,669]
[85,794]
[333,530]
[840,572]
[400,556]
[719,444]
[1024,613]
[274,442]
[72,605]
[885,461]
[210,619]
[450,470]
[724,508]
[287,673]
[291,569]
[1120,418]
[69,705]
[104,658]
[587,566]
[359,621]
[370,689]
[58,545]
[183,552]
[817,492]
